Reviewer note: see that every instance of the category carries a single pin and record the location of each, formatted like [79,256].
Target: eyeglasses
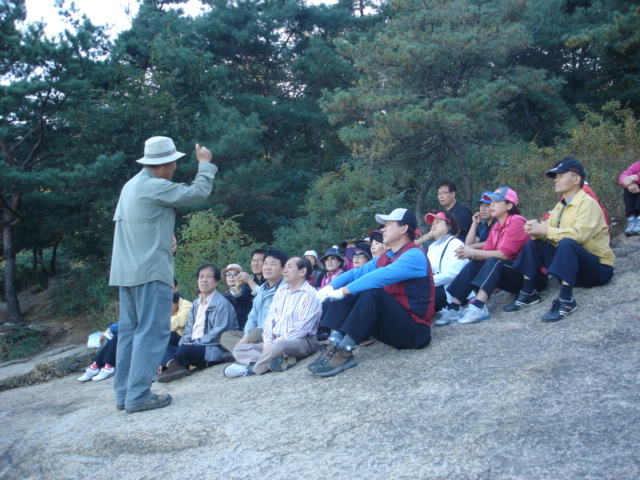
[231,274]
[359,255]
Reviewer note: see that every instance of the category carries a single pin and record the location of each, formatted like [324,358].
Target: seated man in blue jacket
[391,298]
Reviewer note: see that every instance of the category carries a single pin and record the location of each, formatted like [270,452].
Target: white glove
[336,295]
[323,293]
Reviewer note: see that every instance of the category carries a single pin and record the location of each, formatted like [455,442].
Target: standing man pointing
[142,266]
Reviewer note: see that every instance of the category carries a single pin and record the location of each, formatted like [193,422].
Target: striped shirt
[292,314]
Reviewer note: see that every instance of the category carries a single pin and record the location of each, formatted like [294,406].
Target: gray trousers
[145,318]
[300,348]
[229,338]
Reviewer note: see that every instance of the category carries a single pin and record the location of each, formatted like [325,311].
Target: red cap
[429,217]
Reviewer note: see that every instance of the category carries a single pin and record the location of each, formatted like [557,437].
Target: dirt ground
[35,304]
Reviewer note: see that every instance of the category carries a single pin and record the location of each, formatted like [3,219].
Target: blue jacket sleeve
[412,264]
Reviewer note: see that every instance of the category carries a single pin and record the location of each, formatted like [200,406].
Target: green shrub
[207,238]
[606,143]
[86,291]
[19,342]
[338,205]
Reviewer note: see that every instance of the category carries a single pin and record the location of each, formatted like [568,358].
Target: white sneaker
[236,370]
[88,374]
[474,314]
[104,374]
[449,316]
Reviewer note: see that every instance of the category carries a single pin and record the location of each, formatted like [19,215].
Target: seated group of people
[389,288]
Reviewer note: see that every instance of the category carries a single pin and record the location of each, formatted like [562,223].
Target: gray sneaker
[633,226]
[156,401]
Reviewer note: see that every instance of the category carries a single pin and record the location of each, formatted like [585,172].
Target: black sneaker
[339,361]
[559,309]
[523,300]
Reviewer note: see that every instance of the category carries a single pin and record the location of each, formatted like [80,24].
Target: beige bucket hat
[159,150]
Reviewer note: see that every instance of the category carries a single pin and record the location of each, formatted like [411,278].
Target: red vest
[416,295]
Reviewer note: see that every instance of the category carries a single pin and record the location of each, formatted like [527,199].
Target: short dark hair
[258,250]
[454,229]
[304,263]
[411,232]
[450,185]
[278,255]
[216,271]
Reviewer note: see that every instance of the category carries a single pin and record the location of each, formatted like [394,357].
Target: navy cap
[567,164]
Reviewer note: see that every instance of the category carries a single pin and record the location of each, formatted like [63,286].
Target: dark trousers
[375,313]
[569,261]
[192,355]
[441,298]
[488,275]
[107,354]
[631,202]
[172,348]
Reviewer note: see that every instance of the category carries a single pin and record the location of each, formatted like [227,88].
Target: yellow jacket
[179,320]
[582,220]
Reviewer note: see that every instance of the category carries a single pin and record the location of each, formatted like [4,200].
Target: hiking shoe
[88,374]
[632,225]
[281,364]
[636,228]
[559,309]
[449,316]
[474,314]
[339,361]
[326,349]
[119,407]
[236,370]
[156,401]
[523,300]
[104,374]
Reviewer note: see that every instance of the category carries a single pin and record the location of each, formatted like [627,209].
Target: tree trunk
[10,291]
[463,169]
[426,187]
[54,256]
[43,275]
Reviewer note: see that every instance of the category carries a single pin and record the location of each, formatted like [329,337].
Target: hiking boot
[636,228]
[448,316]
[236,370]
[632,225]
[523,300]
[156,401]
[325,353]
[88,374]
[559,309]
[474,314]
[339,361]
[281,364]
[104,374]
